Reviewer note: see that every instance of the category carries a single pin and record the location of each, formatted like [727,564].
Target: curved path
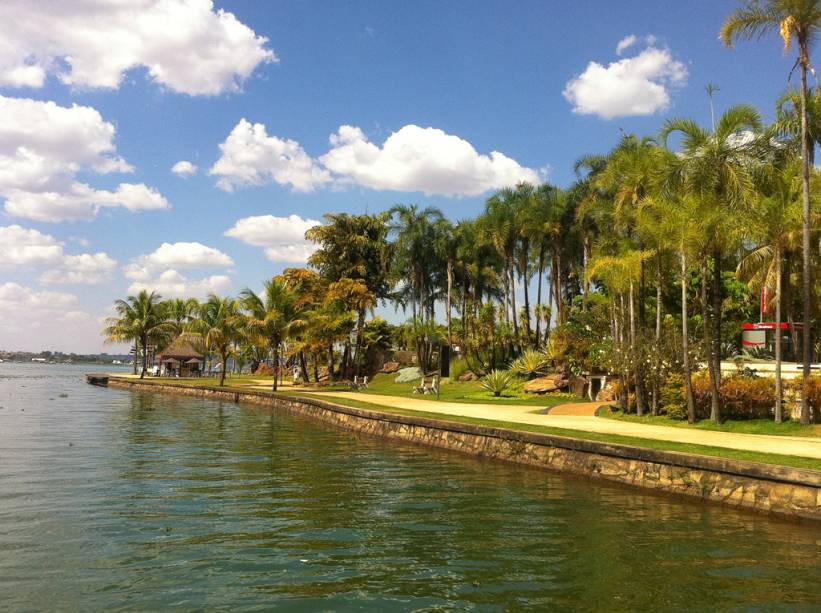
[523,414]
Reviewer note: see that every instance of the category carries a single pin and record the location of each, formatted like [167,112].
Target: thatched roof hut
[180,350]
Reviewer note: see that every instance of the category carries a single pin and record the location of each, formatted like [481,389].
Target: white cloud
[84,268]
[625,43]
[176,255]
[421,159]
[172,284]
[412,159]
[251,157]
[43,146]
[19,299]
[282,237]
[21,247]
[184,168]
[185,45]
[638,85]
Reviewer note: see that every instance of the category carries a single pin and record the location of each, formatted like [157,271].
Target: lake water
[118,500]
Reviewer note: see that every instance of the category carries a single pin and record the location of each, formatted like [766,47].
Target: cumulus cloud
[251,157]
[176,255]
[172,284]
[283,238]
[16,298]
[21,247]
[412,159]
[43,146]
[185,45]
[638,85]
[184,168]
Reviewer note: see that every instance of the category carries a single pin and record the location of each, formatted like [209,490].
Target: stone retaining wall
[760,487]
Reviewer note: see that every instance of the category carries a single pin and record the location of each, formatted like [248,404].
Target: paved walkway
[523,414]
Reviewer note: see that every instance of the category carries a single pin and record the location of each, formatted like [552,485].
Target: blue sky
[489,73]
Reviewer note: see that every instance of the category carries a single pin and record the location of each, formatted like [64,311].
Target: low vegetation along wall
[760,487]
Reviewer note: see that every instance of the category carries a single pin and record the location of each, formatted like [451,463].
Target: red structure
[763,335]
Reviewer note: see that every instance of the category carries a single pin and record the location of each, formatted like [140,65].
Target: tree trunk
[539,296]
[224,358]
[330,362]
[275,349]
[685,344]
[450,302]
[136,353]
[805,237]
[639,371]
[559,297]
[526,283]
[585,260]
[705,318]
[779,417]
[512,275]
[715,351]
[303,366]
[360,331]
[657,375]
[316,366]
[144,343]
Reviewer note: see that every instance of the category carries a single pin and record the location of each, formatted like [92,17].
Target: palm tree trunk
[639,372]
[778,391]
[559,297]
[450,301]
[656,375]
[715,350]
[316,366]
[224,358]
[136,353]
[144,343]
[276,364]
[526,283]
[685,343]
[805,242]
[585,260]
[539,296]
[705,323]
[330,362]
[303,366]
[511,274]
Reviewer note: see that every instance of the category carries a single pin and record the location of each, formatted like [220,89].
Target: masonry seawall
[765,488]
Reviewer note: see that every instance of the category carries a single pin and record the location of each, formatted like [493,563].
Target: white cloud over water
[283,238]
[29,248]
[184,45]
[638,85]
[44,146]
[412,159]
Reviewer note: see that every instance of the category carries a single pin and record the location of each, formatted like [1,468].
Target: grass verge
[704,450]
[748,426]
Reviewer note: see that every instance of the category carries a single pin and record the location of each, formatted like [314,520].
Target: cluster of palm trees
[645,251]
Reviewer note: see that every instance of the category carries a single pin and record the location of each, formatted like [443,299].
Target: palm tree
[776,222]
[799,21]
[271,316]
[180,311]
[141,318]
[218,323]
[717,168]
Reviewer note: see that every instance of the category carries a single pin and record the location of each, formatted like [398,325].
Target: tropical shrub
[530,364]
[673,402]
[497,381]
[742,397]
[458,367]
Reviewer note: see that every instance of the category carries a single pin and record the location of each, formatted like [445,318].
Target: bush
[497,381]
[458,367]
[673,401]
[530,364]
[814,395]
[742,397]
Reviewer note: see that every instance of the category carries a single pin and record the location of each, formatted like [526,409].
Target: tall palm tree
[717,168]
[218,323]
[271,316]
[797,21]
[775,223]
[141,318]
[180,311]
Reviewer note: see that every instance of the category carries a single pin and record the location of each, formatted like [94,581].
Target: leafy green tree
[218,323]
[797,21]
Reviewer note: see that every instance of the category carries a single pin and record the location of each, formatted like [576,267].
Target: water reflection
[110,499]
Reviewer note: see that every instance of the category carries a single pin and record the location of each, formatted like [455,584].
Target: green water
[114,500]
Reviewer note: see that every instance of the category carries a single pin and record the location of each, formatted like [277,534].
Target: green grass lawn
[719,452]
[468,392]
[747,426]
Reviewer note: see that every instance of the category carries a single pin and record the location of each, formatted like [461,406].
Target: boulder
[543,385]
[467,376]
[390,367]
[578,386]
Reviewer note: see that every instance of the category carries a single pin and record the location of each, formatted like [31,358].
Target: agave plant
[497,381]
[759,353]
[530,364]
